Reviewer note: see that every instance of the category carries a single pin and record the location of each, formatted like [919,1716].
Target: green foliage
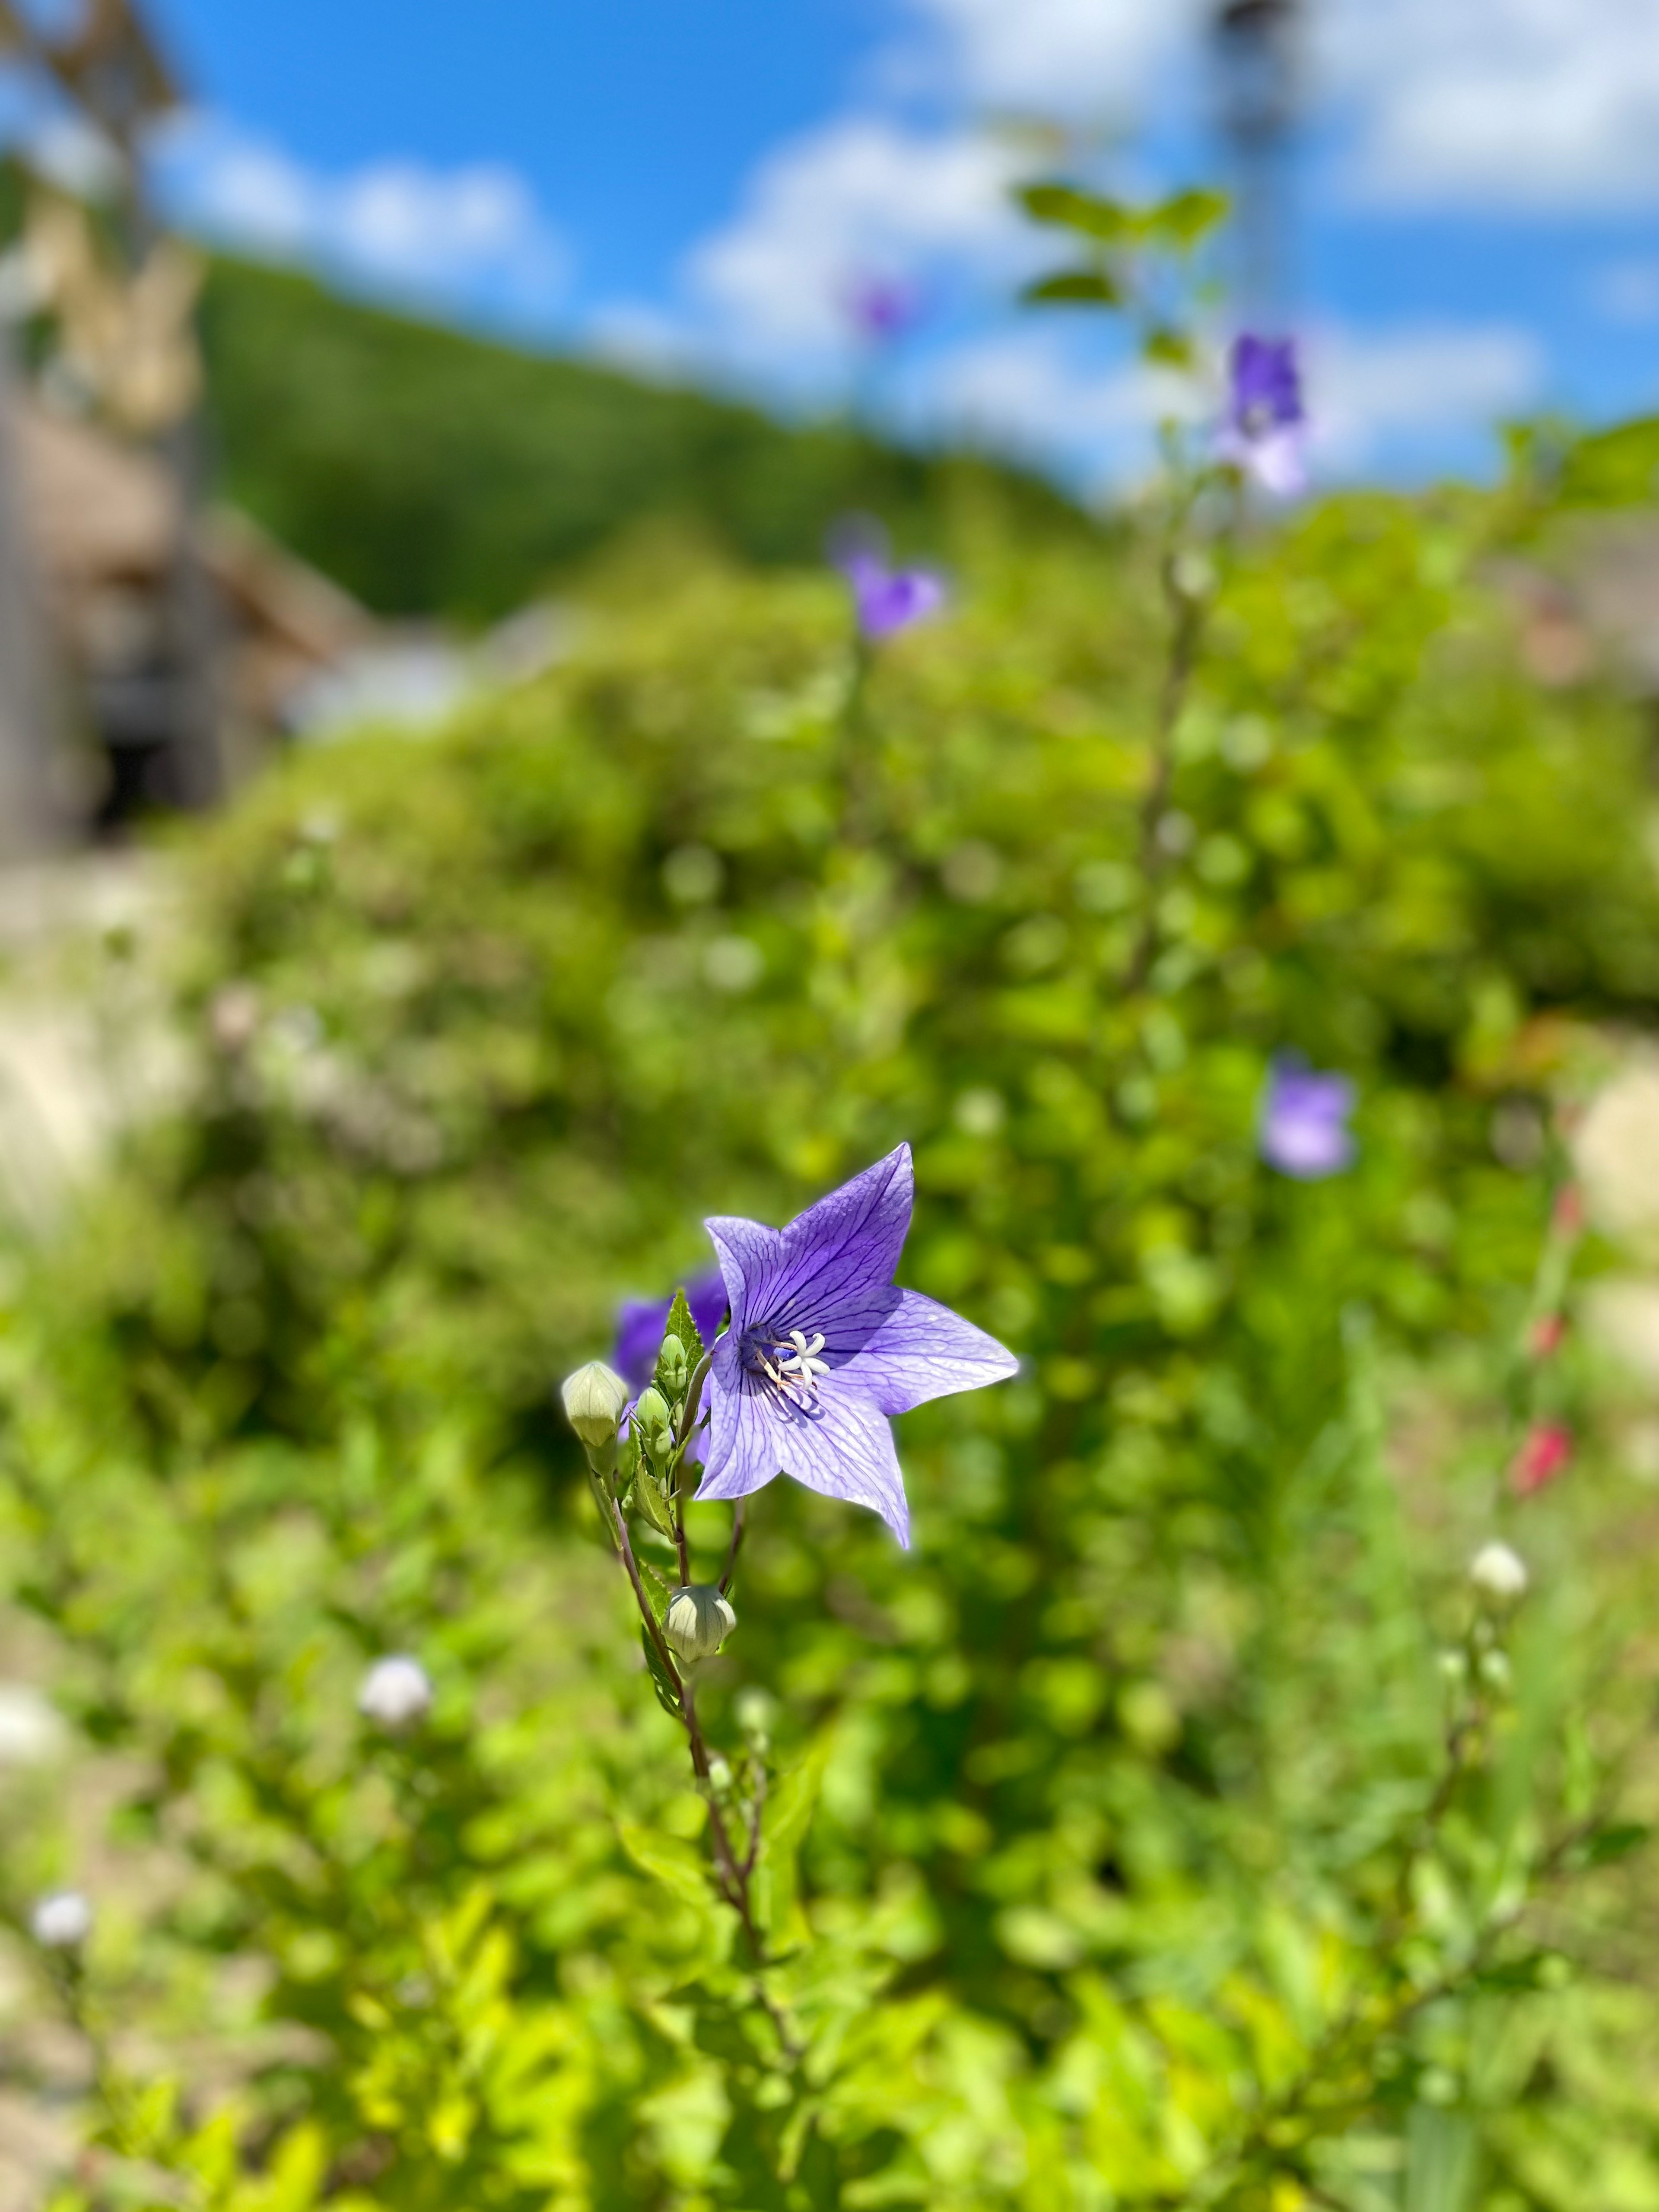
[433,473]
[1170,1828]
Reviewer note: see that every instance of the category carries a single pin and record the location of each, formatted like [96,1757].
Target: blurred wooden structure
[120,299]
[105,520]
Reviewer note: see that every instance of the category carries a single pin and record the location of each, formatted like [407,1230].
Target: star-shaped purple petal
[822,1348]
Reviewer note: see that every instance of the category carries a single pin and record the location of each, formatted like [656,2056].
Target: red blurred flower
[1569,1210]
[1546,1453]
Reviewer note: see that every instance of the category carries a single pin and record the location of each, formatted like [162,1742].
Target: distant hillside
[435,473]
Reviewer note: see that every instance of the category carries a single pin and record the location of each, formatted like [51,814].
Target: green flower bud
[595,1398]
[654,1422]
[670,1367]
[698,1621]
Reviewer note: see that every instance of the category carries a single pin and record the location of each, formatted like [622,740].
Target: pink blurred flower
[1569,1212]
[1544,1338]
[1546,1453]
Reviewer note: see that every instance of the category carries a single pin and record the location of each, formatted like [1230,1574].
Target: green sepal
[649,1499]
[1080,288]
[680,1324]
[628,1459]
[667,1697]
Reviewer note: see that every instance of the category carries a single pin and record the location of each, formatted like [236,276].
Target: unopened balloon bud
[60,1922]
[698,1621]
[719,1772]
[595,1399]
[1495,1673]
[395,1692]
[671,1370]
[653,1422]
[1454,1669]
[1499,1576]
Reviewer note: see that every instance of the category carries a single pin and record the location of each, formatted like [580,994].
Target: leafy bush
[1175,1825]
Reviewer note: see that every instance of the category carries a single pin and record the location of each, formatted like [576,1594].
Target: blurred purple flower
[881,309]
[1304,1121]
[1266,431]
[888,600]
[641,1323]
[822,1350]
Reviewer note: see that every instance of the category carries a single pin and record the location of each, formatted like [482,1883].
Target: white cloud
[1058,56]
[866,194]
[1490,104]
[473,233]
[1038,395]
[1626,291]
[1413,388]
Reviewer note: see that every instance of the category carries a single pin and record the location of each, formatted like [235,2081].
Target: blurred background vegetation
[1118,1859]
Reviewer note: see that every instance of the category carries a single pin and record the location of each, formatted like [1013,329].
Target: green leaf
[661,1680]
[788,1815]
[1182,220]
[1074,287]
[649,1499]
[1443,2156]
[1616,1843]
[668,1860]
[1167,347]
[1069,209]
[680,1324]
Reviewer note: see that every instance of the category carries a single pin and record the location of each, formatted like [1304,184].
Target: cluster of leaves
[1125,1846]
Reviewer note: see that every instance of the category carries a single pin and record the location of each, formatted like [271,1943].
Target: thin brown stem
[732,1548]
[1187,614]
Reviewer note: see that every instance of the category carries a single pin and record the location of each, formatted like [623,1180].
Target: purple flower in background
[881,309]
[887,599]
[1266,431]
[641,1323]
[822,1350]
[1304,1121]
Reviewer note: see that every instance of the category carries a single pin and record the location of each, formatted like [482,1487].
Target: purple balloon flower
[822,1350]
[1304,1121]
[887,599]
[880,308]
[641,1323]
[1266,431]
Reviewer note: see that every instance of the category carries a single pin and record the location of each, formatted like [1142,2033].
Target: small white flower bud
[595,1399]
[719,1772]
[1495,1673]
[1454,1668]
[395,1692]
[698,1621]
[60,1922]
[1498,1574]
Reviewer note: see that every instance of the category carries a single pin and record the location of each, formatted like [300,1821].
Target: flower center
[791,1363]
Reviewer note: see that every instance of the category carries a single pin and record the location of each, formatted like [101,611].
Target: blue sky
[691,185]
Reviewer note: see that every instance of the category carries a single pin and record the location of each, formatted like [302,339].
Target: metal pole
[1257,51]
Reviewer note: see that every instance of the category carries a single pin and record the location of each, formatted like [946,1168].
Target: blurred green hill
[433,473]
